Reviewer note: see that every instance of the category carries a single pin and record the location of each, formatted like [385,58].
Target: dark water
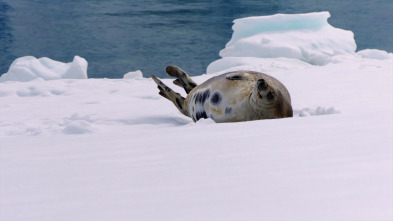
[119,36]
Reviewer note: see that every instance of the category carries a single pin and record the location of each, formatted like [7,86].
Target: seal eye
[270,95]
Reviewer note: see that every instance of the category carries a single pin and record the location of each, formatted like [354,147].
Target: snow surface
[113,149]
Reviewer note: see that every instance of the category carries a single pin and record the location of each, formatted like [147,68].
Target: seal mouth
[267,95]
[263,105]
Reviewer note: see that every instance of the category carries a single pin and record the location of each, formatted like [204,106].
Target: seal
[230,97]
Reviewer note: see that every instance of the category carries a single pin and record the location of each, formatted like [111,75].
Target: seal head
[269,102]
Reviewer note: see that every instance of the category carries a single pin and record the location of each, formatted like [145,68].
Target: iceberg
[29,68]
[305,37]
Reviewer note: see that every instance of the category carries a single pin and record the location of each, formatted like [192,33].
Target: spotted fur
[216,98]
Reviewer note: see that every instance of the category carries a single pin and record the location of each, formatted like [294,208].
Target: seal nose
[262,85]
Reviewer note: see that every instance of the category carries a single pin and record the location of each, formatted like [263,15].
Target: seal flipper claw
[160,87]
[162,94]
[169,94]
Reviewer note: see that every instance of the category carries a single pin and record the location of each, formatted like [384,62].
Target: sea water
[120,36]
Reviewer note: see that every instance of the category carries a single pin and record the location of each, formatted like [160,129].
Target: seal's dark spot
[178,103]
[192,84]
[167,89]
[228,110]
[193,118]
[216,98]
[200,115]
[196,96]
[270,95]
[202,96]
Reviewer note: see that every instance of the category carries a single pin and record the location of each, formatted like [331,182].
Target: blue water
[119,36]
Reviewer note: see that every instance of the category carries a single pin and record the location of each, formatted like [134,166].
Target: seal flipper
[183,79]
[169,94]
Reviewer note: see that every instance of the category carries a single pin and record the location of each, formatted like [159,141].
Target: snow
[113,149]
[133,75]
[29,68]
[374,54]
[266,65]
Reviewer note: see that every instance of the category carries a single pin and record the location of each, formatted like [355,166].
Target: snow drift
[113,149]
[29,68]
